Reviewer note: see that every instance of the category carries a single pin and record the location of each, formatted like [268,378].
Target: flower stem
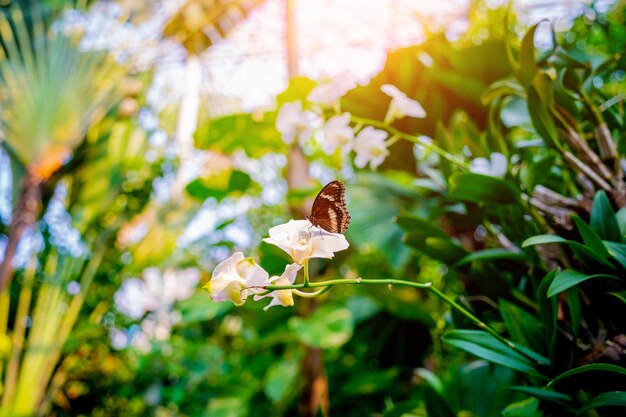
[426,286]
[306,273]
[411,138]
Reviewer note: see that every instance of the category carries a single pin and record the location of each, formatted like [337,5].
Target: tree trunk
[24,216]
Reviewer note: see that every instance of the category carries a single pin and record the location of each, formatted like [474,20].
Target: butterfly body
[329,211]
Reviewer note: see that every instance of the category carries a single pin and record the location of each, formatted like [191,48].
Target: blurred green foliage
[538,254]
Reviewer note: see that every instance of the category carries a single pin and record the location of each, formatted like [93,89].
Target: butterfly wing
[329,210]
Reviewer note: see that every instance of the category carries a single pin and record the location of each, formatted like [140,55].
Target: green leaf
[479,188]
[424,236]
[227,407]
[603,219]
[281,378]
[596,367]
[612,398]
[620,215]
[501,88]
[617,251]
[542,393]
[548,312]
[620,295]
[485,346]
[524,408]
[573,302]
[298,89]
[543,81]
[219,185]
[329,327]
[538,171]
[541,118]
[527,65]
[585,254]
[487,255]
[252,133]
[590,237]
[569,278]
[369,382]
[542,240]
[522,326]
[431,378]
[436,405]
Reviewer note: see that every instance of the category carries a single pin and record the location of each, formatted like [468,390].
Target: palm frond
[51,91]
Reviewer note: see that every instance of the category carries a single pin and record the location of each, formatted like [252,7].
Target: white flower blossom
[155,294]
[163,288]
[495,166]
[130,298]
[370,147]
[282,297]
[330,93]
[401,105]
[294,123]
[234,278]
[338,134]
[156,291]
[302,241]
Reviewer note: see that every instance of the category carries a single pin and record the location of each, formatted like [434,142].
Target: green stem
[306,273]
[395,132]
[426,286]
[311,294]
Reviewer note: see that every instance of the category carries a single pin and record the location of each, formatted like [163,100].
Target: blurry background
[138,150]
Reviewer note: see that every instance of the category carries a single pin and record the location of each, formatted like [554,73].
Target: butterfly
[329,211]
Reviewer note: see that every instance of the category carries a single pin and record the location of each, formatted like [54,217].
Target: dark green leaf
[524,408]
[542,240]
[436,406]
[596,367]
[573,302]
[542,393]
[620,215]
[548,312]
[590,237]
[603,219]
[569,278]
[485,346]
[426,237]
[541,117]
[612,398]
[586,255]
[480,188]
[618,251]
[487,255]
[522,326]
[370,382]
[620,295]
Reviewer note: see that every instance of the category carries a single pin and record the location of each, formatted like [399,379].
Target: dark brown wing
[329,210]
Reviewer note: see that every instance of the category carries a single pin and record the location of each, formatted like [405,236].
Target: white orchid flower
[234,278]
[495,166]
[330,93]
[302,241]
[282,297]
[370,147]
[338,134]
[401,105]
[293,122]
